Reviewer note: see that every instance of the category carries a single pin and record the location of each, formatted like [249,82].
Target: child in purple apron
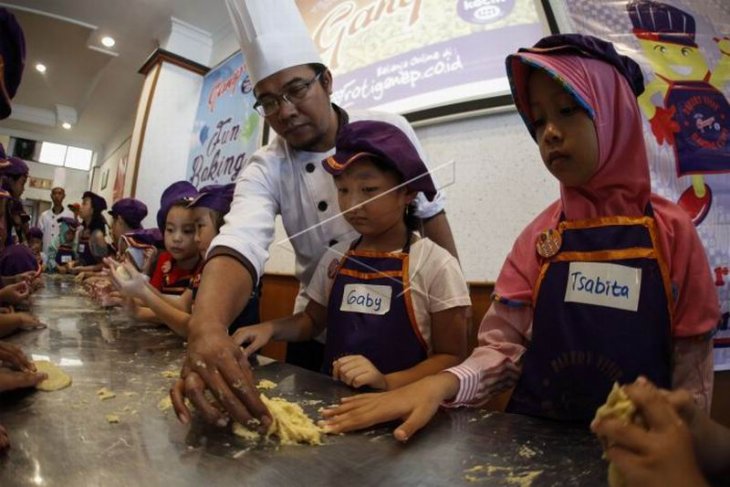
[394,305]
[91,246]
[209,207]
[608,283]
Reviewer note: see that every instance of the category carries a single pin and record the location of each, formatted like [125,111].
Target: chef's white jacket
[280,180]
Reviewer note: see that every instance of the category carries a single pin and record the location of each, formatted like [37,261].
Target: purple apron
[370,312]
[578,350]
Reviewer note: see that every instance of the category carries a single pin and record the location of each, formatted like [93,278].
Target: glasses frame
[287,96]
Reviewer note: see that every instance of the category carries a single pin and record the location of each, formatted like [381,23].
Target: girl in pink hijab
[608,283]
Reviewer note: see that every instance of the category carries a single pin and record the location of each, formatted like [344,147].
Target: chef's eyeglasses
[294,94]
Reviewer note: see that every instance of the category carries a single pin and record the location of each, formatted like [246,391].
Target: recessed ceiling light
[41,68]
[108,41]
[66,125]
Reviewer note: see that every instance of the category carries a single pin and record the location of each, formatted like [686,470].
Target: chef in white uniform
[293,89]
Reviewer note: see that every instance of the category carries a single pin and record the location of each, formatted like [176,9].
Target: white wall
[499,186]
[165,148]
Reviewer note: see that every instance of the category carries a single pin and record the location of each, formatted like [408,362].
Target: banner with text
[226,126]
[408,55]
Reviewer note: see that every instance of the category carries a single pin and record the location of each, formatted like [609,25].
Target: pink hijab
[621,186]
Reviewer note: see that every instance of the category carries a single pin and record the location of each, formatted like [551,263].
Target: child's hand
[27,321]
[255,336]
[15,293]
[128,280]
[661,456]
[414,404]
[357,371]
[13,356]
[12,379]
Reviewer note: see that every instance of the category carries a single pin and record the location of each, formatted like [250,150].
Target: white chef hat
[272,35]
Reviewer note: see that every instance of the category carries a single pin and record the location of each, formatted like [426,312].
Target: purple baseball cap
[656,21]
[16,259]
[12,52]
[144,238]
[71,222]
[217,197]
[177,192]
[13,166]
[131,210]
[98,202]
[386,142]
[35,232]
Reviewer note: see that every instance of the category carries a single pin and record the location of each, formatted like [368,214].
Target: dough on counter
[112,418]
[290,424]
[105,394]
[57,378]
[266,384]
[617,406]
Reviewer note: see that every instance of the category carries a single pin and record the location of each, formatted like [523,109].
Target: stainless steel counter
[63,438]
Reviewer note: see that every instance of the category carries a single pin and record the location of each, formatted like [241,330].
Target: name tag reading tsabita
[368,299]
[603,284]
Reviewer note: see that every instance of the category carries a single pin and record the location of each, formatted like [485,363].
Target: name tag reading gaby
[368,299]
[603,284]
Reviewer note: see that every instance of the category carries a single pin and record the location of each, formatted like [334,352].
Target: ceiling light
[108,41]
[66,125]
[41,68]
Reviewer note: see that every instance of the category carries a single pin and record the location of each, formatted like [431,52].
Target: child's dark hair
[413,223]
[98,222]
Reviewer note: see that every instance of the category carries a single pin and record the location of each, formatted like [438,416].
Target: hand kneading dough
[290,424]
[57,378]
[618,406]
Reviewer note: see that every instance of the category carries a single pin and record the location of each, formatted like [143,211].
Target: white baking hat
[272,35]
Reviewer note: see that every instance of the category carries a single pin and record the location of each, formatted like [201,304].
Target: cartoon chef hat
[657,21]
[272,35]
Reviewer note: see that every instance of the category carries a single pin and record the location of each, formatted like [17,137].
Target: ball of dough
[123,273]
[57,378]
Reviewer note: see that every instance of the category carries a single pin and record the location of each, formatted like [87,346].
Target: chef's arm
[438,230]
[225,288]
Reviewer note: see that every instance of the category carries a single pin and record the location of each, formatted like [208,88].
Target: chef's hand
[13,379]
[214,362]
[357,371]
[415,404]
[13,356]
[253,337]
[659,456]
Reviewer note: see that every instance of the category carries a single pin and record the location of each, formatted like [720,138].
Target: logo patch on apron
[368,299]
[604,284]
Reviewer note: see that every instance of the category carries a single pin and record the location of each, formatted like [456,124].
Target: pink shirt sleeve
[494,365]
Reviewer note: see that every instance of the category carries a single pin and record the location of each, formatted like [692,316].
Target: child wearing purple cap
[35,242]
[127,215]
[18,260]
[14,173]
[181,258]
[209,208]
[394,304]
